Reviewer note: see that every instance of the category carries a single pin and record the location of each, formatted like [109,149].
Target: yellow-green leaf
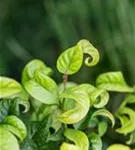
[31,67]
[81,108]
[89,49]
[118,147]
[70,61]
[7,140]
[16,126]
[9,87]
[104,113]
[78,137]
[113,81]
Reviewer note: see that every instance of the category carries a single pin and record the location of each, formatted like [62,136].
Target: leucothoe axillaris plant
[65,116]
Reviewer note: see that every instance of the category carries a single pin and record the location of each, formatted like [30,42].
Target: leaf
[127,123]
[16,126]
[9,87]
[89,49]
[131,139]
[66,146]
[95,141]
[102,128]
[118,147]
[8,140]
[113,81]
[99,98]
[81,108]
[104,113]
[31,67]
[78,137]
[37,91]
[70,61]
[46,82]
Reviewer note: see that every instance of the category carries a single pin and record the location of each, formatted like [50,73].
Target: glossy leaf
[31,67]
[127,123]
[76,136]
[95,141]
[113,81]
[70,61]
[7,140]
[9,87]
[66,146]
[37,91]
[81,108]
[118,147]
[104,113]
[89,49]
[99,98]
[16,126]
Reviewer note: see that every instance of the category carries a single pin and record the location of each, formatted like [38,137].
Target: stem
[65,79]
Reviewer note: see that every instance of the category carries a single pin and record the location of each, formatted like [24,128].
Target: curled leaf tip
[89,49]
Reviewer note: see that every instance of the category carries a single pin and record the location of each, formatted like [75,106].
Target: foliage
[45,115]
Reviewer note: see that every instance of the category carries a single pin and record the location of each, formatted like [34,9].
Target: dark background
[44,28]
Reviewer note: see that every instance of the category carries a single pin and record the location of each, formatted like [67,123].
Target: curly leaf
[81,108]
[70,61]
[16,126]
[113,81]
[89,49]
[31,67]
[95,141]
[127,123]
[7,140]
[99,98]
[9,87]
[104,113]
[118,147]
[78,137]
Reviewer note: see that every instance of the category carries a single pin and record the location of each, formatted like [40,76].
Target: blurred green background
[44,28]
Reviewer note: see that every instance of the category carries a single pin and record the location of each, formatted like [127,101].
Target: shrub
[40,114]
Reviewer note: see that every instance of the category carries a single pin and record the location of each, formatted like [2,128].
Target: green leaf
[70,61]
[127,119]
[95,141]
[113,81]
[31,67]
[46,82]
[99,98]
[102,128]
[118,147]
[89,49]
[66,146]
[104,113]
[8,140]
[76,136]
[9,87]
[81,108]
[16,126]
[37,91]
[131,139]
